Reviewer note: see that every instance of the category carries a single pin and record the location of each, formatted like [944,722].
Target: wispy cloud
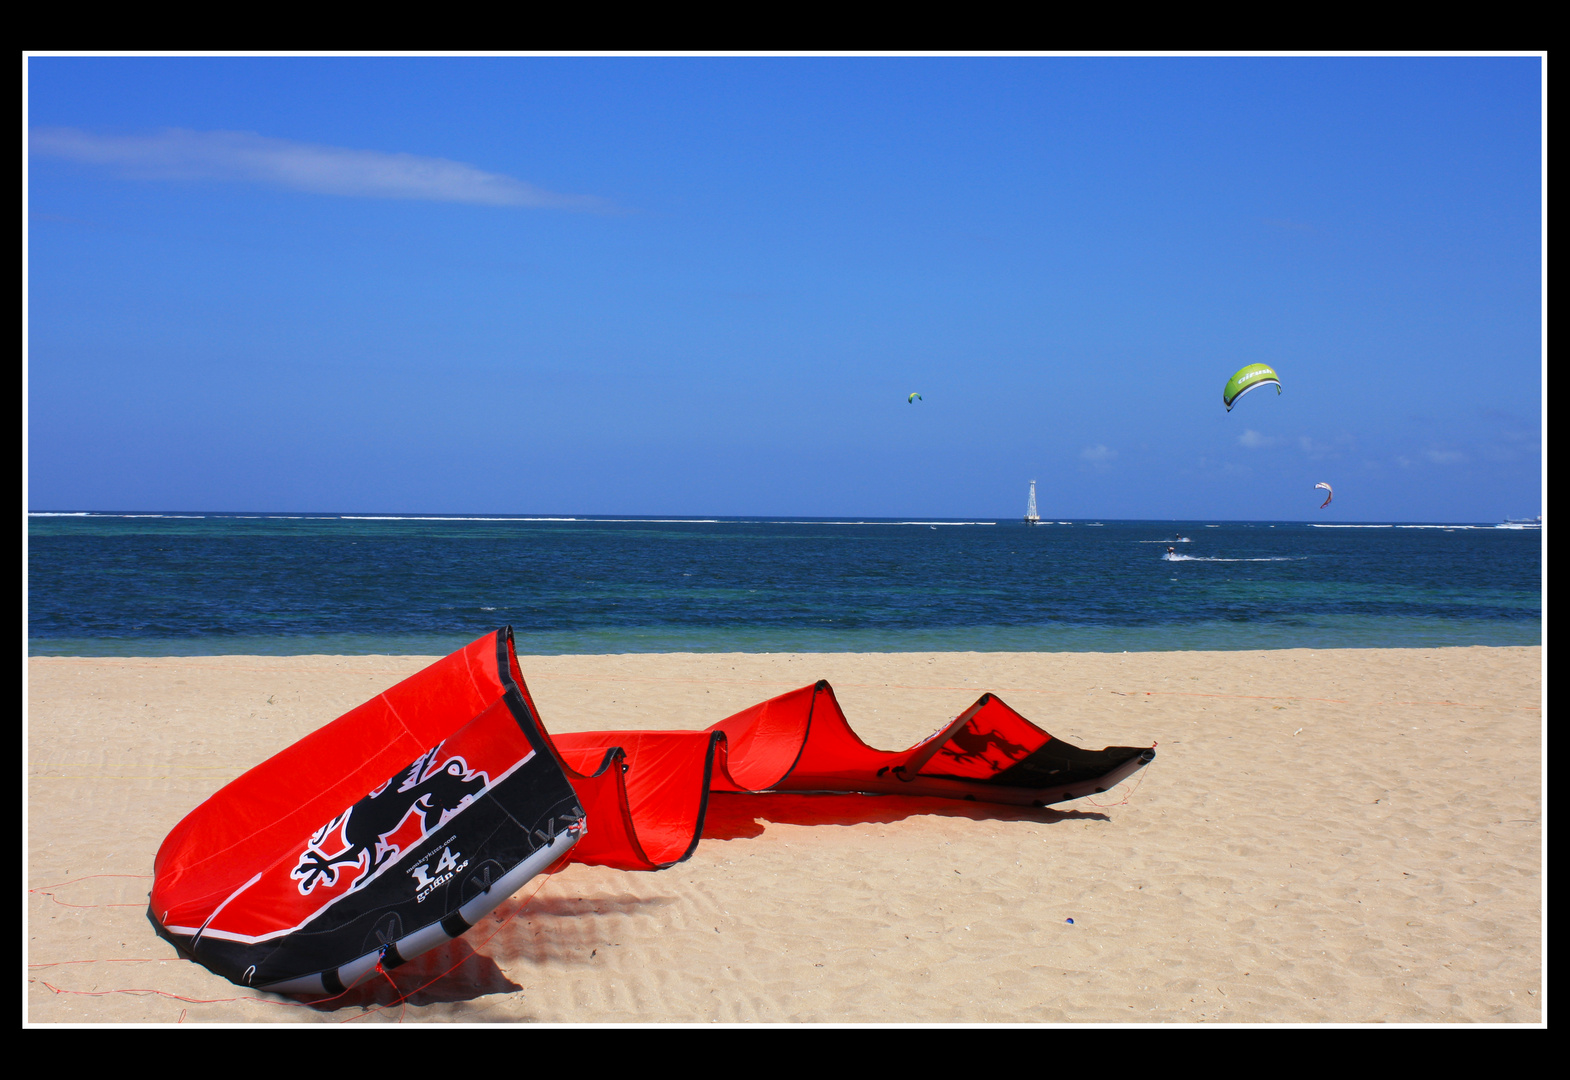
[328,170]
[1435,457]
[1098,456]
[1338,447]
[1255,441]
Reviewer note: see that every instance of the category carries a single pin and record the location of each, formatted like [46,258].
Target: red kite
[399,825]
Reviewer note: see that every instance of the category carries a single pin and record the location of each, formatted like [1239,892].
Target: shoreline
[1347,835]
[1411,633]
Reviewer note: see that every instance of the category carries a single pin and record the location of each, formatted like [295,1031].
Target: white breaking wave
[1172,556]
[1446,528]
[94,513]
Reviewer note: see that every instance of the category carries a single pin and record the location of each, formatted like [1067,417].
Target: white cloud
[1099,455]
[329,170]
[1339,447]
[1255,441]
[1445,457]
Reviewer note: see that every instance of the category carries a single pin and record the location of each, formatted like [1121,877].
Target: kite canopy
[1248,378]
[1329,494]
[387,832]
[913,399]
[403,822]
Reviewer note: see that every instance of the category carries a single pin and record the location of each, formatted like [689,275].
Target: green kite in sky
[1246,379]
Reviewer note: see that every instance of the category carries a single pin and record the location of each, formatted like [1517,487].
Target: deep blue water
[124,585]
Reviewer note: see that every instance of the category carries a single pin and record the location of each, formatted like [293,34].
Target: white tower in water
[1031,517]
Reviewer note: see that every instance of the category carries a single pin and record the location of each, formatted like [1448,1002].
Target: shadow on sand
[456,972]
[733,816]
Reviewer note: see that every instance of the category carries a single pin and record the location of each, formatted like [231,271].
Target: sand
[1326,836]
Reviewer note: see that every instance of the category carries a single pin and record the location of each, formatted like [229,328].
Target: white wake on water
[1172,556]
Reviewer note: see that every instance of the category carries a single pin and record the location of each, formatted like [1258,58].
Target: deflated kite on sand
[402,823]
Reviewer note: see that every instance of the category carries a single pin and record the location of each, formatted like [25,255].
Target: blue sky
[706,286]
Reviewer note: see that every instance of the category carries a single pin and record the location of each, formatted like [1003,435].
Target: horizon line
[716,518]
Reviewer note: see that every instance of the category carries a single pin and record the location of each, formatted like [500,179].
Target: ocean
[273,584]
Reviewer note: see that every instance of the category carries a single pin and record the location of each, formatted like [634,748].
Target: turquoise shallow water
[152,585]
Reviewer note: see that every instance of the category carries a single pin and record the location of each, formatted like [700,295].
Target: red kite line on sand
[402,823]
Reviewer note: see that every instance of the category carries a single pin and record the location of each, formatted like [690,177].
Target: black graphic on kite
[366,828]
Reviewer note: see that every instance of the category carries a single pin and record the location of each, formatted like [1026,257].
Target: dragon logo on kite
[365,832]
